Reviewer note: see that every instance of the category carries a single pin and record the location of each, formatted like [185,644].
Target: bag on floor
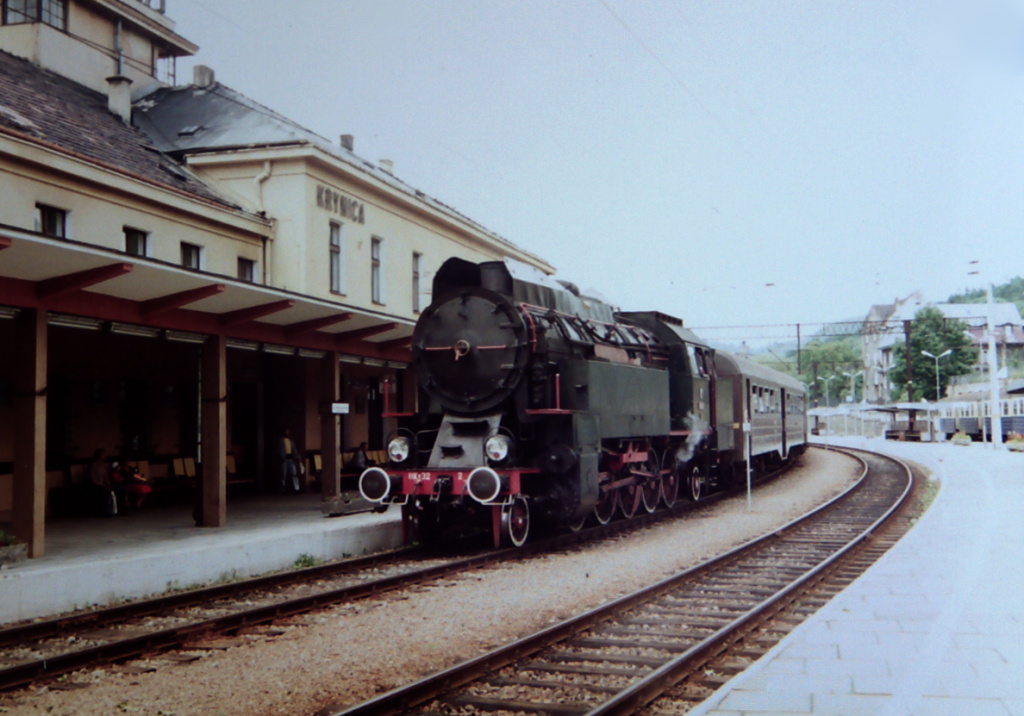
[111,507]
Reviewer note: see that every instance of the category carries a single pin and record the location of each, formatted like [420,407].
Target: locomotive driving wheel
[604,509]
[515,522]
[670,482]
[652,487]
[695,484]
[630,497]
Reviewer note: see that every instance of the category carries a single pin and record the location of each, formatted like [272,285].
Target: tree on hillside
[1011,292]
[828,361]
[931,331]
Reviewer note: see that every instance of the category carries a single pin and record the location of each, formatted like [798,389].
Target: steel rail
[655,683]
[25,672]
[421,691]
[162,639]
[20,633]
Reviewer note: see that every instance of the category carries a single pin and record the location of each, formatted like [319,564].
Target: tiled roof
[192,118]
[198,118]
[47,107]
[976,314]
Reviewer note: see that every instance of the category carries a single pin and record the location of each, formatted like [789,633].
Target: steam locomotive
[539,405]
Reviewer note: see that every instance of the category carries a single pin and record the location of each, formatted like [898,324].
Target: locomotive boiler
[541,406]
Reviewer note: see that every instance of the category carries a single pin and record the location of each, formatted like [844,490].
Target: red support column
[28,391]
[214,389]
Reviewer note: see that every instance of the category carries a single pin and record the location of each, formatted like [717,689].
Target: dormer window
[51,12]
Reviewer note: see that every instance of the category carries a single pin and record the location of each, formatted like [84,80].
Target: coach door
[785,436]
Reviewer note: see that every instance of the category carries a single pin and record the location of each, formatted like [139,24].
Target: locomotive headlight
[497,447]
[399,449]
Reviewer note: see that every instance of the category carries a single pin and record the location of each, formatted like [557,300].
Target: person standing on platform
[101,486]
[288,453]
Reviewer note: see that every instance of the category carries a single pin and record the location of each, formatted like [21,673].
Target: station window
[191,256]
[417,274]
[334,258]
[51,221]
[136,242]
[52,12]
[376,270]
[246,270]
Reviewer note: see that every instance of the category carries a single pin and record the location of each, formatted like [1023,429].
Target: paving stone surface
[936,627]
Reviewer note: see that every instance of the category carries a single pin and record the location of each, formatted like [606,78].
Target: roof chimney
[348,142]
[387,165]
[202,76]
[119,97]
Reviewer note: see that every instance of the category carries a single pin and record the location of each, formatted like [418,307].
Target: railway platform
[100,560]
[934,628]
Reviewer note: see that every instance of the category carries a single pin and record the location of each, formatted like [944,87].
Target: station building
[885,327]
[184,272]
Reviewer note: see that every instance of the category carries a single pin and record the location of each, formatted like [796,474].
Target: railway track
[44,649]
[48,648]
[647,649]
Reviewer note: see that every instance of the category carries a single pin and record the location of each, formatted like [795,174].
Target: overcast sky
[731,163]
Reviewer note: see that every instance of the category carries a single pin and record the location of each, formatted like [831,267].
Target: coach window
[334,258]
[136,241]
[376,270]
[51,221]
[191,256]
[52,12]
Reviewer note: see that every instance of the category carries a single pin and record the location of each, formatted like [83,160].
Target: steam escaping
[697,428]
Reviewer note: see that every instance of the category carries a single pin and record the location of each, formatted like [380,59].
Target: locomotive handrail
[524,308]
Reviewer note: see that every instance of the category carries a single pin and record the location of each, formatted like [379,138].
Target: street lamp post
[825,381]
[938,395]
[853,389]
[852,397]
[996,420]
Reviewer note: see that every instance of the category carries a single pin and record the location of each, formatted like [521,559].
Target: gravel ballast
[347,654]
